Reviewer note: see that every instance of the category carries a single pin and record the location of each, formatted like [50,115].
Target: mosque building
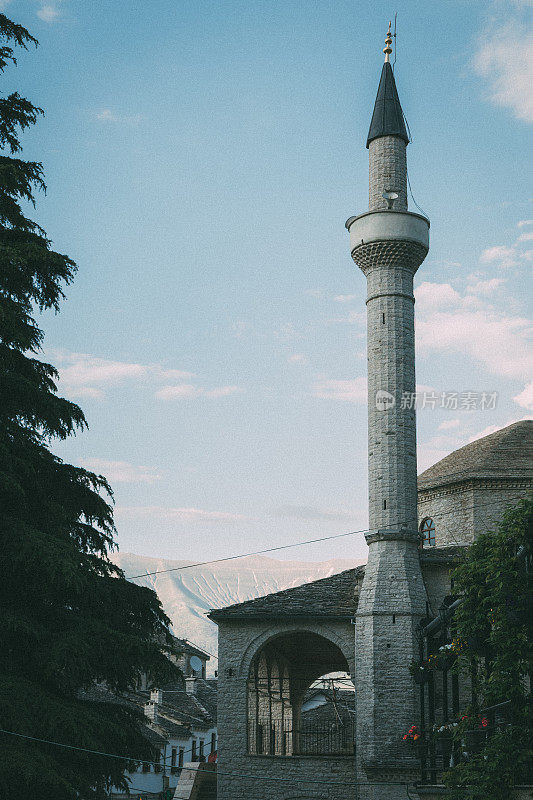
[366,623]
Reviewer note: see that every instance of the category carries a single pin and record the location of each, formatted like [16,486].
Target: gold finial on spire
[388,41]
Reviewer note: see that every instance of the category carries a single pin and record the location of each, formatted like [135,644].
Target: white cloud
[525,398]
[298,358]
[311,513]
[504,257]
[525,237]
[345,298]
[485,287]
[184,390]
[120,471]
[487,333]
[449,424]
[85,375]
[352,391]
[499,341]
[433,295]
[174,374]
[175,392]
[49,13]
[222,391]
[505,59]
[177,514]
[524,222]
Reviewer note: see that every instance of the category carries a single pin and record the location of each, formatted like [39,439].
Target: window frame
[428,532]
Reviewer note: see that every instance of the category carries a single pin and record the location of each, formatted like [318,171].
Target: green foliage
[496,623]
[68,617]
[490,773]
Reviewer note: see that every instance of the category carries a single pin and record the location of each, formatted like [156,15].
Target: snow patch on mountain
[189,592]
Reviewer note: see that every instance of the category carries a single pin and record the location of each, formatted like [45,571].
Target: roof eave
[225,617]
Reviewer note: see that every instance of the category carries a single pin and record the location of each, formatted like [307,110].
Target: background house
[180,720]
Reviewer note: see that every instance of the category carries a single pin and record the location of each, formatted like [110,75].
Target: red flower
[484,722]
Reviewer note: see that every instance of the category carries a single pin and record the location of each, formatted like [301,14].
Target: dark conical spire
[387,119]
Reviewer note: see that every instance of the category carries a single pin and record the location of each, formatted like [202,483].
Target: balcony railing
[281,738]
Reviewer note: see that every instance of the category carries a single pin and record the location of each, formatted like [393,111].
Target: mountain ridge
[188,590]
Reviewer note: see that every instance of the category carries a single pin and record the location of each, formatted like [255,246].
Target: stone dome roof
[507,453]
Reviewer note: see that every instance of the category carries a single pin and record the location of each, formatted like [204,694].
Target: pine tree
[68,617]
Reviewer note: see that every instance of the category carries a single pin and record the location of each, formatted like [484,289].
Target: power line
[233,774]
[294,544]
[188,641]
[245,555]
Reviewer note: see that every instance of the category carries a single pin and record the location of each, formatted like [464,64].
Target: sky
[201,159]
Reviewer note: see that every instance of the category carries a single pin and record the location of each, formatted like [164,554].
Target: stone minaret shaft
[389,243]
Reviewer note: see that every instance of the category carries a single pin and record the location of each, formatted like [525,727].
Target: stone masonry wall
[391,603]
[388,172]
[451,509]
[248,777]
[464,510]
[491,499]
[391,368]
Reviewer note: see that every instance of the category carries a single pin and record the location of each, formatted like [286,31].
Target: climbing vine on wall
[495,623]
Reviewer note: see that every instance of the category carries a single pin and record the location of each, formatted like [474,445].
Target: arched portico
[280,673]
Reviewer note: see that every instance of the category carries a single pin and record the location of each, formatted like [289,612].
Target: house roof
[507,453]
[199,708]
[332,597]
[387,119]
[339,706]
[183,646]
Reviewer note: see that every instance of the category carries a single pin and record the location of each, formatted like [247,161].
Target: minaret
[389,243]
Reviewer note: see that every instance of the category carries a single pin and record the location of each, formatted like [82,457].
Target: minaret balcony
[388,238]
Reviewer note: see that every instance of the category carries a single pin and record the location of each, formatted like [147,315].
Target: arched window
[280,676]
[427,529]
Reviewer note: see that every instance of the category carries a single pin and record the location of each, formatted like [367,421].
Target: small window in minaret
[427,529]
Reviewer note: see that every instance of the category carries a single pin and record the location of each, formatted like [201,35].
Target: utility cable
[233,774]
[245,555]
[295,544]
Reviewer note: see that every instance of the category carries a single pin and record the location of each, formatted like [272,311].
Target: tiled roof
[332,597]
[340,703]
[183,646]
[507,453]
[155,738]
[197,709]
